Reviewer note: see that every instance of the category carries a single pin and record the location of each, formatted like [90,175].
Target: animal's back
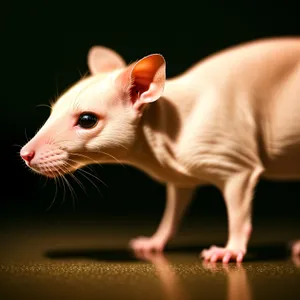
[257,68]
[244,58]
[245,104]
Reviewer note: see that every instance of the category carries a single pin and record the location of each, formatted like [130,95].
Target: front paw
[224,254]
[147,244]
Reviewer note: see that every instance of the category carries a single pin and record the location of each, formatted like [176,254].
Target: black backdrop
[41,57]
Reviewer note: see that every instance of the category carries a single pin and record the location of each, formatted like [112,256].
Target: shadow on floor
[255,253]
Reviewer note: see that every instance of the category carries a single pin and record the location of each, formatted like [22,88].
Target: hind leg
[238,194]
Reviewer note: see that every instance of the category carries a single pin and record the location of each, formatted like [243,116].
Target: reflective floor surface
[87,260]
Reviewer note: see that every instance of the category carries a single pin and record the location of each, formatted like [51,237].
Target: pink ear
[145,80]
[102,59]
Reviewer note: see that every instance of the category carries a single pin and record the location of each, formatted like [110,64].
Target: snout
[27,155]
[48,160]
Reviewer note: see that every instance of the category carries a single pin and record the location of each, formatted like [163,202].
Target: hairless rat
[227,121]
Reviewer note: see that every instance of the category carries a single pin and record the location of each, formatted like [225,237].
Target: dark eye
[87,120]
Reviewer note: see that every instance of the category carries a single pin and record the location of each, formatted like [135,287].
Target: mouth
[51,172]
[54,169]
[54,163]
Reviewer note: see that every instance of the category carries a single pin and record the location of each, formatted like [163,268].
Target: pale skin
[227,121]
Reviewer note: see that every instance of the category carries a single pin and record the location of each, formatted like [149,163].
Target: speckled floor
[89,260]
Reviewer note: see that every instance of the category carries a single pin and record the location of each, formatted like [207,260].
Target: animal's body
[229,120]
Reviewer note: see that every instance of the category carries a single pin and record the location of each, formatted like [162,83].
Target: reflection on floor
[90,261]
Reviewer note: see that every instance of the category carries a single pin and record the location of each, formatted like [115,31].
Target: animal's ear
[145,80]
[102,59]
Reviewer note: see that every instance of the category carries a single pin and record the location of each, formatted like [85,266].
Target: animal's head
[97,118]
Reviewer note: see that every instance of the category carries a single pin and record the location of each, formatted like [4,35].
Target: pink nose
[28,156]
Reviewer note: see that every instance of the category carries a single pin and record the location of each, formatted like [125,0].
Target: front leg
[176,204]
[238,194]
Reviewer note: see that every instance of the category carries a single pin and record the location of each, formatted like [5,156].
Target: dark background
[44,51]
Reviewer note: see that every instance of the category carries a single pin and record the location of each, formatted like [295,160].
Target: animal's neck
[156,141]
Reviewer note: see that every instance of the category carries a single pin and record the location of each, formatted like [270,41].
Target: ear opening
[145,80]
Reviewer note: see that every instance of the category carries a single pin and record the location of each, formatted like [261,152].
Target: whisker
[55,195]
[84,171]
[64,188]
[46,181]
[81,172]
[99,151]
[77,181]
[44,105]
[17,145]
[88,173]
[26,136]
[85,156]
[73,194]
[84,75]
[80,183]
[56,86]
[61,182]
[112,158]
[97,188]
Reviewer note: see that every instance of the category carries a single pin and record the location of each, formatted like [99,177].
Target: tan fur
[227,121]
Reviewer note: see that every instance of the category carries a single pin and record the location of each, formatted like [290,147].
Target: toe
[226,257]
[214,254]
[203,253]
[208,255]
[240,256]
[214,257]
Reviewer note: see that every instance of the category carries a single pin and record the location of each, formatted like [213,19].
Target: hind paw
[214,254]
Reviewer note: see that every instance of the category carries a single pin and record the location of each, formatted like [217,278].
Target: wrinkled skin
[227,121]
